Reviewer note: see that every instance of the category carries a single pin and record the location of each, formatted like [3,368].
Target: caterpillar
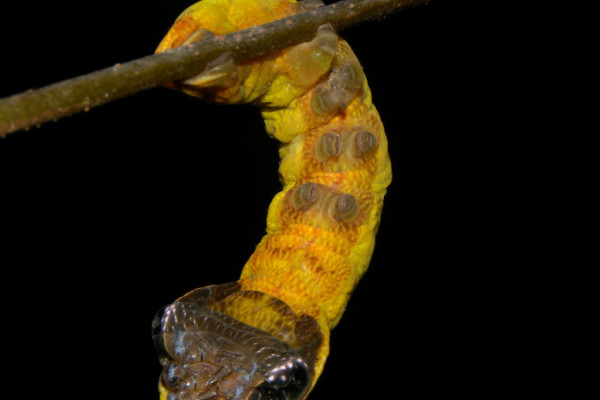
[266,336]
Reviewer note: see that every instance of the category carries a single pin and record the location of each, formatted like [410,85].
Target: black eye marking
[287,381]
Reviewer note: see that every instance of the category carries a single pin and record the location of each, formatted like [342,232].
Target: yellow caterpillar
[266,336]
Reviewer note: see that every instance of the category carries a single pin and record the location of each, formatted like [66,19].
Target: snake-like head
[208,355]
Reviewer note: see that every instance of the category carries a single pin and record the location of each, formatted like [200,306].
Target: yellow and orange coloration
[267,335]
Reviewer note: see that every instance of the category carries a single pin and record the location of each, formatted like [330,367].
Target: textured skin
[318,243]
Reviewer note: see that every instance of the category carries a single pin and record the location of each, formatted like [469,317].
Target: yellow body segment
[334,162]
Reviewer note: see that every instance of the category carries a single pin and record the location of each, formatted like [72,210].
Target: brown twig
[65,98]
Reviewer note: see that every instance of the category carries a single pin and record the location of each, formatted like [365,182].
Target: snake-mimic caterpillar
[266,336]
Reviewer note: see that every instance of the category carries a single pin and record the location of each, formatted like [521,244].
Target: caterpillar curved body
[266,336]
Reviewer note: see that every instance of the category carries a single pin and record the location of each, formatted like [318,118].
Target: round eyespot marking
[326,99]
[348,77]
[358,143]
[365,142]
[289,380]
[346,208]
[327,146]
[239,358]
[334,95]
[304,196]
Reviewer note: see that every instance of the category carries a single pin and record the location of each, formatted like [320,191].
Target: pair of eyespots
[290,381]
[342,207]
[356,144]
[335,94]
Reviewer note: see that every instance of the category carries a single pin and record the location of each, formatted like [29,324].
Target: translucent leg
[221,72]
[308,62]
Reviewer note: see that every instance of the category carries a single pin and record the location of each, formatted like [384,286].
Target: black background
[110,214]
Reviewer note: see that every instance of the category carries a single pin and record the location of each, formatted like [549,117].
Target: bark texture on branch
[52,102]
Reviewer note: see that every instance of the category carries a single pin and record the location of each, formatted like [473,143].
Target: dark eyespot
[346,208]
[288,381]
[327,146]
[348,77]
[365,142]
[326,99]
[304,196]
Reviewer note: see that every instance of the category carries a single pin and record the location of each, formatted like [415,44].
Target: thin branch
[65,98]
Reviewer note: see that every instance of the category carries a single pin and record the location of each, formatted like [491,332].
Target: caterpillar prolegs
[266,336]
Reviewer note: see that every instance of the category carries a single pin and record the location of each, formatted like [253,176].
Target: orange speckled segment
[289,260]
[341,154]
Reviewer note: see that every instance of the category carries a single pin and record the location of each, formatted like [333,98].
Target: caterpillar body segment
[267,335]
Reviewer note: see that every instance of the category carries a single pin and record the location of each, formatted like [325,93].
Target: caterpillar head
[208,355]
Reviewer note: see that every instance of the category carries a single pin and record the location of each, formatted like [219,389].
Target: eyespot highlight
[327,147]
[359,143]
[345,208]
[364,142]
[288,380]
[327,99]
[334,95]
[348,76]
[304,196]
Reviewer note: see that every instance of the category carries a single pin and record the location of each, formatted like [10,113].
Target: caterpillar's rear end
[267,335]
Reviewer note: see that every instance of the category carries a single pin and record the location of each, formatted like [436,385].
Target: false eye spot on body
[358,143]
[327,99]
[347,76]
[364,143]
[327,147]
[304,196]
[345,208]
